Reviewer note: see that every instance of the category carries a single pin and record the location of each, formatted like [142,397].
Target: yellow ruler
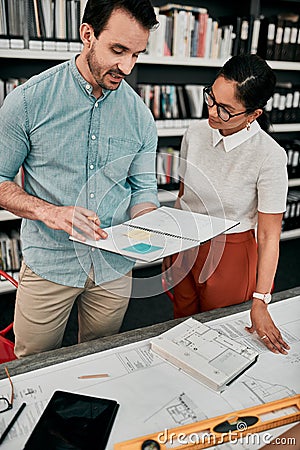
[219,429]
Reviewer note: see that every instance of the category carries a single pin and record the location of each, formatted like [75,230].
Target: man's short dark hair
[97,13]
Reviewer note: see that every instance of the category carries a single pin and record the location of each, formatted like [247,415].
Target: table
[150,391]
[45,359]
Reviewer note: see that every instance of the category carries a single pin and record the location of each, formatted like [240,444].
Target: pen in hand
[11,423]
[96,221]
[93,218]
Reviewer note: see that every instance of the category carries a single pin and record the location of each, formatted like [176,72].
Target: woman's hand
[262,323]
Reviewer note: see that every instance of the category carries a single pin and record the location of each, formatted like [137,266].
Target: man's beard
[94,69]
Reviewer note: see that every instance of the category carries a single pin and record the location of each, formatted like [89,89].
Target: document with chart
[159,233]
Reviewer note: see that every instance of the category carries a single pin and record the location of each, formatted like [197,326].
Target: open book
[204,353]
[160,233]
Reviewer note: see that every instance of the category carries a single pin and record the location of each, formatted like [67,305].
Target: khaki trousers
[43,308]
[219,273]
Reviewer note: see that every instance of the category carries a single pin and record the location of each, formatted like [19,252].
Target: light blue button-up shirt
[77,150]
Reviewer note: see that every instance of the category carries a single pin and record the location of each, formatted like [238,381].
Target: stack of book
[284,105]
[279,37]
[40,24]
[173,101]
[189,31]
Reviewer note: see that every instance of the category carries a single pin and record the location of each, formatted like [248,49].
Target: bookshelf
[26,62]
[143,59]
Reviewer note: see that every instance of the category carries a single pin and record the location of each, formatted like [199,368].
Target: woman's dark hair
[97,13]
[255,83]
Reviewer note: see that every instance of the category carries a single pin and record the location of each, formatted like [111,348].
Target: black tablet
[73,421]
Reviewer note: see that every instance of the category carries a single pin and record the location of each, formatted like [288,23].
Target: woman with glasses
[231,168]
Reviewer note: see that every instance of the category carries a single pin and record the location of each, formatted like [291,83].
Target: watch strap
[266,298]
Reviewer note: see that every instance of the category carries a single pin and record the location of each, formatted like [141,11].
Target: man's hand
[73,218]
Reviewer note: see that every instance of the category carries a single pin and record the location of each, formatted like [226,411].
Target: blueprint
[204,353]
[155,395]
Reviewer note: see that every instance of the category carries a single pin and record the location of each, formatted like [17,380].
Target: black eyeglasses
[222,112]
[6,404]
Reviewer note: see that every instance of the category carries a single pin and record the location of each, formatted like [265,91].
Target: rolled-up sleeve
[14,145]
[142,174]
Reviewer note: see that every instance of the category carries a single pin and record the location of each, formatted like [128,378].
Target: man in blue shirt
[87,144]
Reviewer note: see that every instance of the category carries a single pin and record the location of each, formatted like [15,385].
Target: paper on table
[160,233]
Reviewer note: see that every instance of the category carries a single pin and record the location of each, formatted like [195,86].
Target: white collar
[235,139]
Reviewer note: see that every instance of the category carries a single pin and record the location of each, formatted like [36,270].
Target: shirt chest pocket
[120,154]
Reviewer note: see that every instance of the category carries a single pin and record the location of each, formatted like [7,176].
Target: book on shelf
[244,36]
[157,39]
[266,40]
[236,23]
[289,23]
[10,251]
[159,233]
[286,46]
[278,39]
[291,217]
[297,47]
[167,163]
[208,38]
[287,113]
[295,113]
[215,39]
[255,35]
[201,33]
[271,34]
[204,353]
[292,148]
[195,99]
[293,42]
[47,7]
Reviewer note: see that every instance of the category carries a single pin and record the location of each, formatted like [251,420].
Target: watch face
[267,298]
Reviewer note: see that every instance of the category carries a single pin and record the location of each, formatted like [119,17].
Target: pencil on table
[96,375]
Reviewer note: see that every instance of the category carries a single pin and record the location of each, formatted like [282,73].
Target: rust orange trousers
[219,273]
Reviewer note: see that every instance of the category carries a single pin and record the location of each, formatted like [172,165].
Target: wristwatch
[266,298]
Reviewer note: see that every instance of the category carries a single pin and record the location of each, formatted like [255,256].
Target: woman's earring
[248,125]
